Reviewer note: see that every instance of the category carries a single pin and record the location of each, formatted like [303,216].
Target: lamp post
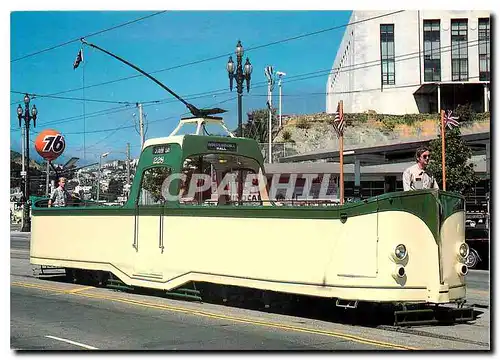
[280,75]
[99,173]
[239,76]
[26,226]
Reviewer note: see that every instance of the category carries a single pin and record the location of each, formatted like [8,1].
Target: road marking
[231,318]
[72,342]
[480,292]
[57,290]
[77,290]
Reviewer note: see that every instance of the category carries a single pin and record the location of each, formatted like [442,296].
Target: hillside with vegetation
[36,171]
[305,133]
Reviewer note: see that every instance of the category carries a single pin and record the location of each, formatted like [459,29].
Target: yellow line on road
[226,317]
[52,288]
[74,291]
[480,292]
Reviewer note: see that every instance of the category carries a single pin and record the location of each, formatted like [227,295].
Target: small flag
[450,120]
[268,70]
[338,122]
[79,59]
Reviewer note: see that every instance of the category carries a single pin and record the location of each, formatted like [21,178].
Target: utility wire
[376,62]
[33,96]
[301,77]
[228,54]
[88,35]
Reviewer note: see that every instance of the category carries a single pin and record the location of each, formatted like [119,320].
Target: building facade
[412,62]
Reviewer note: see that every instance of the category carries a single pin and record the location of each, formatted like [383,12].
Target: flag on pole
[79,59]
[338,122]
[450,120]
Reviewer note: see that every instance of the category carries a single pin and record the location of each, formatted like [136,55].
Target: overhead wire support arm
[193,109]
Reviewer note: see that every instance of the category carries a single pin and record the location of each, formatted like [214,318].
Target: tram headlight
[463,250]
[400,252]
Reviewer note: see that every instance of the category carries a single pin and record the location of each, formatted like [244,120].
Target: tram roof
[393,152]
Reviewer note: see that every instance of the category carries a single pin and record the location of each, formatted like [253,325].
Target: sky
[162,45]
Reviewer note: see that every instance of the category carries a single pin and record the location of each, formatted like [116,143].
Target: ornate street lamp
[26,225]
[240,75]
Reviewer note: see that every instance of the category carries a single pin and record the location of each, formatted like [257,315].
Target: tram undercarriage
[350,311]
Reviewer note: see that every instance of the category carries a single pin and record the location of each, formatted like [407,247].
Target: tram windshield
[221,179]
[210,179]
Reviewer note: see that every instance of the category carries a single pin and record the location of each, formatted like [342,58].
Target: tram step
[428,316]
[347,304]
[118,285]
[185,293]
[45,270]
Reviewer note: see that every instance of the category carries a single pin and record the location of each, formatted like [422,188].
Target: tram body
[403,247]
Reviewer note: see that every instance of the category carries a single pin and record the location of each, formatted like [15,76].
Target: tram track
[416,332]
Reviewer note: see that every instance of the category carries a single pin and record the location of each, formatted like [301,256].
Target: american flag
[450,120]
[339,123]
[79,59]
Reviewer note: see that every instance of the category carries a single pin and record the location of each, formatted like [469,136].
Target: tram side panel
[85,241]
[319,257]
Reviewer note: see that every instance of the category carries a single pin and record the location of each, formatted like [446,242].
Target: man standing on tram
[416,176]
[60,196]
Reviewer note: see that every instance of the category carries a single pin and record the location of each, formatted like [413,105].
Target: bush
[287,136]
[465,113]
[355,118]
[482,116]
[302,123]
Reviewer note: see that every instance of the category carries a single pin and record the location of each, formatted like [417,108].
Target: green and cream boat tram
[178,227]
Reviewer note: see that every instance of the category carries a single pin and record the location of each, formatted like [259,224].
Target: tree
[115,189]
[257,125]
[153,181]
[460,176]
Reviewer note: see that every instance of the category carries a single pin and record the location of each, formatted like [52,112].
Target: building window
[459,51]
[484,49]
[432,50]
[387,54]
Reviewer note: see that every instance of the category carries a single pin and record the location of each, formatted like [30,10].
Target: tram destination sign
[221,146]
[161,149]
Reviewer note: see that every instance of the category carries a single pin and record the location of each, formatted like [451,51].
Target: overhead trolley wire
[228,54]
[88,35]
[353,67]
[261,84]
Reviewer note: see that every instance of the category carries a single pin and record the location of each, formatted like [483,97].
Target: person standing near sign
[60,196]
[416,177]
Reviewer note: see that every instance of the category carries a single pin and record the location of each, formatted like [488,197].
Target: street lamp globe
[239,49]
[248,68]
[230,66]
[248,72]
[34,112]
[19,111]
[26,99]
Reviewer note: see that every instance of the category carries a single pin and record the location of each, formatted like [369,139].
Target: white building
[412,62]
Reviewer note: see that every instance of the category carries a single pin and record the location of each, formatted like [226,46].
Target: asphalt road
[48,315]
